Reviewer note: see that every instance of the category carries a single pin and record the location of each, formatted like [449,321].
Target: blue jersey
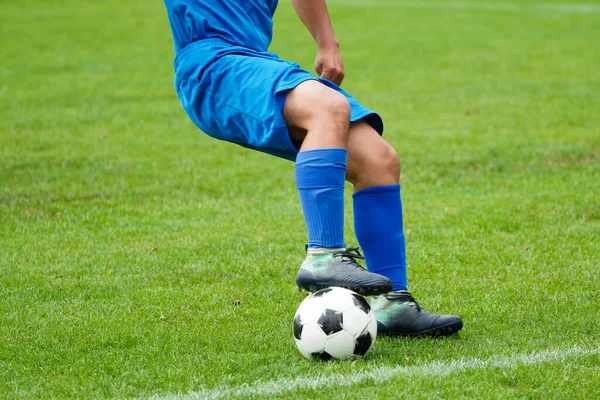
[247,23]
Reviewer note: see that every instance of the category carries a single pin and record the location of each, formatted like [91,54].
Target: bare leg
[372,161]
[317,116]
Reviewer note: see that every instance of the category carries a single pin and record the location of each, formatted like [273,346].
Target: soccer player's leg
[374,169]
[318,118]
[278,98]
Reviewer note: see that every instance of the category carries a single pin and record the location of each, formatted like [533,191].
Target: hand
[329,65]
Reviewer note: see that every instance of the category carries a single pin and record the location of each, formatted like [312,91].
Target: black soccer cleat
[341,269]
[400,315]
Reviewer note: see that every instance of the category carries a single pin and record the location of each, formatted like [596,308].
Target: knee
[374,166]
[313,105]
[384,161]
[330,106]
[337,105]
[390,162]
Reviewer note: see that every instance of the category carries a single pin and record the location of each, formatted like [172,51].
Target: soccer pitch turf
[141,259]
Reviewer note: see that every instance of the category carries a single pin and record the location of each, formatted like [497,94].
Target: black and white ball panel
[331,321]
[298,326]
[361,302]
[363,343]
[334,323]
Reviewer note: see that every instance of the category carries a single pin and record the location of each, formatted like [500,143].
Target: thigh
[316,92]
[238,97]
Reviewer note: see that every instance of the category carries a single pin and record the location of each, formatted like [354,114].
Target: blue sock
[320,178]
[379,231]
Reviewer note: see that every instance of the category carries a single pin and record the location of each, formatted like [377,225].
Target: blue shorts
[237,94]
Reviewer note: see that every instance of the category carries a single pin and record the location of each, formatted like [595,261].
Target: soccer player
[235,90]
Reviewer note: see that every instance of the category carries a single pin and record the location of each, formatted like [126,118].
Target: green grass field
[140,258]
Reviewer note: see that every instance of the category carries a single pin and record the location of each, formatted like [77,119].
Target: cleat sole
[363,291]
[437,332]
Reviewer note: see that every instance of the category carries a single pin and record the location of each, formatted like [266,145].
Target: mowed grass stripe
[463,5]
[139,257]
[387,373]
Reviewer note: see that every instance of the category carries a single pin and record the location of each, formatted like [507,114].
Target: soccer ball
[334,323]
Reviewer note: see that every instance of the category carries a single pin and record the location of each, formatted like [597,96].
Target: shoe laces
[350,255]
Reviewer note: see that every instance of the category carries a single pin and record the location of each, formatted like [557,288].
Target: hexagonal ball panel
[339,299]
[355,321]
[313,338]
[311,309]
[340,345]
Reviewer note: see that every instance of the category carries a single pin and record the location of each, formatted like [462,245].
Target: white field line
[565,8]
[383,374]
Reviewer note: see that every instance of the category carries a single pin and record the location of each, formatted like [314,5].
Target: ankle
[314,252]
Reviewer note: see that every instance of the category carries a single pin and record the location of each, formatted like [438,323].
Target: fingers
[329,65]
[335,75]
[334,72]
